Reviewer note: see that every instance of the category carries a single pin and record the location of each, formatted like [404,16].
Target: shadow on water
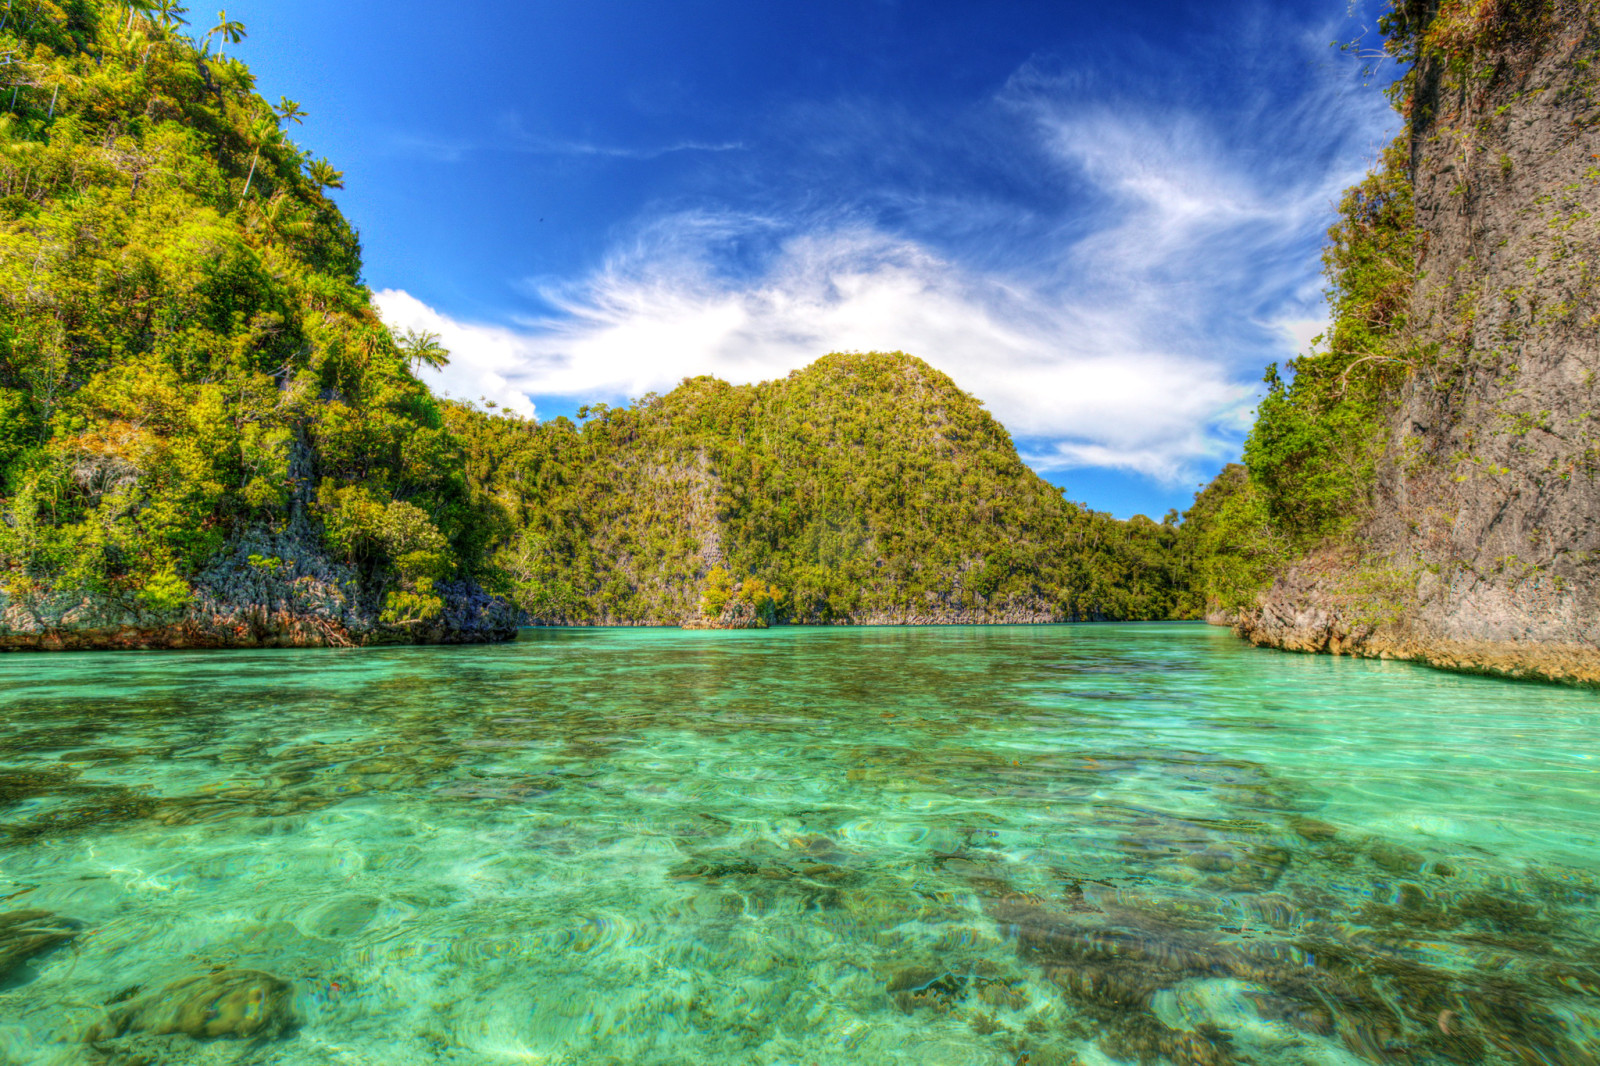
[1042,844]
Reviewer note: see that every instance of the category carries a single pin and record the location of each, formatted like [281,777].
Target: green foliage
[863,485]
[750,596]
[763,600]
[1229,544]
[1311,458]
[717,592]
[408,606]
[1457,32]
[1313,449]
[186,348]
[165,591]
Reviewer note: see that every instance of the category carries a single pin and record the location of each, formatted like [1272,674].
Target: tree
[324,176]
[282,218]
[289,111]
[423,348]
[263,131]
[231,32]
[171,13]
[171,17]
[136,7]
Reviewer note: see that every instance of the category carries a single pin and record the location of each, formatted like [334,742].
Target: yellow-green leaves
[165,591]
[174,353]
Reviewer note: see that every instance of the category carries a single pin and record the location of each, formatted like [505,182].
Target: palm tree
[424,348]
[282,218]
[264,131]
[324,176]
[289,111]
[231,32]
[233,75]
[171,17]
[171,12]
[135,7]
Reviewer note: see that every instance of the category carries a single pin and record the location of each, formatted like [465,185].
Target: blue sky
[1101,219]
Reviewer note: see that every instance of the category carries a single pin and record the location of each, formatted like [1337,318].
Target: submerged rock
[1357,982]
[228,1003]
[1314,830]
[915,988]
[1396,859]
[24,934]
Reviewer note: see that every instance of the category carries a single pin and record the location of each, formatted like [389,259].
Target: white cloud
[485,359]
[1300,332]
[1047,369]
[1129,334]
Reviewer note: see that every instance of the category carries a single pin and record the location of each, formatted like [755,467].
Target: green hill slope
[864,488]
[200,414]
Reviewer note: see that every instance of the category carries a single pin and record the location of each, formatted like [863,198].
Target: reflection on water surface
[1046,845]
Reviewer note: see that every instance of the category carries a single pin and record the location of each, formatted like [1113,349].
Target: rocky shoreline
[62,622]
[270,590]
[1462,625]
[885,618]
[937,616]
[1307,628]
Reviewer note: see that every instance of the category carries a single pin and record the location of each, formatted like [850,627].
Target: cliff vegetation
[1424,484]
[188,357]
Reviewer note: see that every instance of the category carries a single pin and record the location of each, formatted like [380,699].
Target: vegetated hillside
[206,434]
[1425,486]
[207,437]
[864,488]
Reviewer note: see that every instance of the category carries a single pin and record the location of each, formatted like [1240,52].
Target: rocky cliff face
[1483,552]
[270,589]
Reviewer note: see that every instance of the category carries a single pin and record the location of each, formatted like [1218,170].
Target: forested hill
[864,488]
[206,434]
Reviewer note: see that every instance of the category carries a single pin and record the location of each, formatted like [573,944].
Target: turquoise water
[1042,845]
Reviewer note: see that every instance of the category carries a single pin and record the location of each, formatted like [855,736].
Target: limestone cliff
[272,588]
[1482,551]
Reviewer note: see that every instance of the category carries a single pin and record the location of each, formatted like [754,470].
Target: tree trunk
[252,176]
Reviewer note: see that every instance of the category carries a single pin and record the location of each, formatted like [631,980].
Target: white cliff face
[1486,525]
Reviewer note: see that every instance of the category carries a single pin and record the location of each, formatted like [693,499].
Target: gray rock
[1482,552]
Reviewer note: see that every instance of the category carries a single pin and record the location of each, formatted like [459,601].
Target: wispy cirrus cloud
[615,151]
[1113,302]
[515,138]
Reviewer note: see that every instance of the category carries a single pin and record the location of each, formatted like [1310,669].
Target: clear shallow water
[966,846]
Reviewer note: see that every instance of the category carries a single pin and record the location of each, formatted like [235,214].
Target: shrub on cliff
[1311,458]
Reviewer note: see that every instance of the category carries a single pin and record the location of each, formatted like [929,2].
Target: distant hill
[866,488]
